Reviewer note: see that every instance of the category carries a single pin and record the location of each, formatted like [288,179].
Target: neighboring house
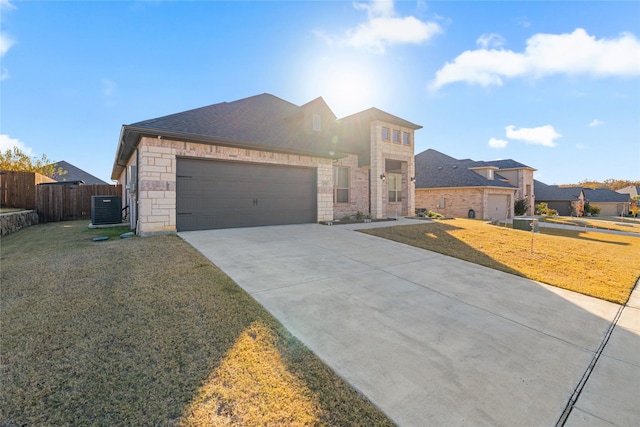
[610,202]
[632,191]
[566,200]
[263,161]
[461,188]
[75,175]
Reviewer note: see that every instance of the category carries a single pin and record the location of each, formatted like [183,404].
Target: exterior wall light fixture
[383,177]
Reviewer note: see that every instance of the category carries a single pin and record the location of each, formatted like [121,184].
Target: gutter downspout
[137,181]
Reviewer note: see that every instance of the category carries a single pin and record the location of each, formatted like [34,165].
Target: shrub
[432,214]
[544,209]
[591,209]
[520,206]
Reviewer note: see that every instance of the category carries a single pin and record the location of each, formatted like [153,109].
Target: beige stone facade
[371,146]
[384,152]
[156,182]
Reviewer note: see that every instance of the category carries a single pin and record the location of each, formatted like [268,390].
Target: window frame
[385,134]
[406,138]
[396,136]
[337,189]
[317,123]
[397,190]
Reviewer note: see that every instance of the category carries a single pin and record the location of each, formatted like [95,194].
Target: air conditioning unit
[106,210]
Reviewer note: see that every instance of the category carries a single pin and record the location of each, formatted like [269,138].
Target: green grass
[602,265]
[146,331]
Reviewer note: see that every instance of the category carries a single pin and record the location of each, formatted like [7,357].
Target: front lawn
[604,223]
[602,265]
[146,331]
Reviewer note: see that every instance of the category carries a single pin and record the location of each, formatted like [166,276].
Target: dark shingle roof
[604,195]
[263,122]
[505,164]
[76,174]
[553,193]
[437,170]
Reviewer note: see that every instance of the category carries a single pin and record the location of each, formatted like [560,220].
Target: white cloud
[384,28]
[543,135]
[595,123]
[580,146]
[6,4]
[545,54]
[490,40]
[7,143]
[108,87]
[5,43]
[497,143]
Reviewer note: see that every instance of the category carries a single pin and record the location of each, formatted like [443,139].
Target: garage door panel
[218,194]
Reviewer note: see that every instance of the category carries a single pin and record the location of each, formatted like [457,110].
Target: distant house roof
[631,190]
[554,193]
[437,170]
[604,195]
[263,122]
[75,174]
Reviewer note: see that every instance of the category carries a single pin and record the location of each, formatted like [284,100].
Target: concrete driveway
[433,340]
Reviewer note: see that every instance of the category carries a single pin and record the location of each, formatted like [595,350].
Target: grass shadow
[581,235]
[126,331]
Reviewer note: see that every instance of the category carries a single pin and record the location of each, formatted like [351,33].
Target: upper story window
[385,134]
[396,136]
[490,173]
[340,184]
[406,138]
[317,123]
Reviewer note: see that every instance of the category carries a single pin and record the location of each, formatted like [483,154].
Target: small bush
[544,209]
[520,207]
[591,209]
[432,214]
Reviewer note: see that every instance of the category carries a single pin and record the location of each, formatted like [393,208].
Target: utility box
[525,223]
[106,210]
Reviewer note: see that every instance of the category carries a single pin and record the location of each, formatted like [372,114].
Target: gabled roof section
[604,195]
[263,122]
[75,174]
[554,193]
[506,164]
[437,170]
[377,114]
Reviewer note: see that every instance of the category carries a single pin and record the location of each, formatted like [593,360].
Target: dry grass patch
[615,224]
[602,265]
[132,332]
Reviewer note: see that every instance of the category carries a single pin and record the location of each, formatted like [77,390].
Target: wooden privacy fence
[18,189]
[69,202]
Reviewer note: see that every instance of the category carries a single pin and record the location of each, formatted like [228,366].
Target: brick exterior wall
[458,201]
[156,203]
[358,188]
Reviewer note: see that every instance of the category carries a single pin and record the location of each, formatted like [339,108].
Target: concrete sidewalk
[430,339]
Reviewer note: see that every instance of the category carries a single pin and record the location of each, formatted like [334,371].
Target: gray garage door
[218,194]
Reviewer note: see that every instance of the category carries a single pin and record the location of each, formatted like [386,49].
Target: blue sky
[553,85]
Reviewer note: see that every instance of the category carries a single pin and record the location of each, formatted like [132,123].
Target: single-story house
[263,161]
[566,200]
[611,203]
[75,174]
[462,188]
